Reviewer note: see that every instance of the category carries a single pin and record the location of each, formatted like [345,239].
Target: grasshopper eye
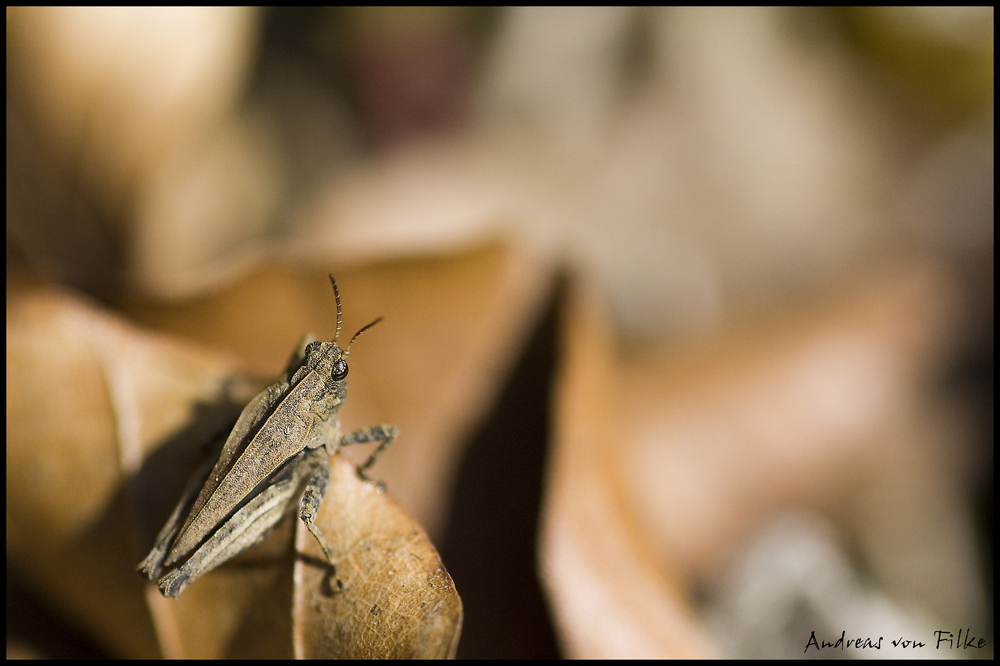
[339,370]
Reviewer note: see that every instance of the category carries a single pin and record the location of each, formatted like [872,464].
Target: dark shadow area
[31,625]
[490,544]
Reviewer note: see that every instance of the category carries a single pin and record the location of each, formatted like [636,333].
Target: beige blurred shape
[669,458]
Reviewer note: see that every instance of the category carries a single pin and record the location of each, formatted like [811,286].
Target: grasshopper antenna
[363,329]
[340,316]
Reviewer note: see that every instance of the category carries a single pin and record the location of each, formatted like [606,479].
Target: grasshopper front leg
[381,433]
[316,486]
[313,497]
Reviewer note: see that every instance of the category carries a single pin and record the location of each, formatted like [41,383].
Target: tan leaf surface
[667,458]
[103,423]
[610,595]
[88,398]
[398,601]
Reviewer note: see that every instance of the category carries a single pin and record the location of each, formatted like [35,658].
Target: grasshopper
[281,442]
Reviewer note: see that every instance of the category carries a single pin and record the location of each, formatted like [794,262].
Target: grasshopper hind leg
[247,527]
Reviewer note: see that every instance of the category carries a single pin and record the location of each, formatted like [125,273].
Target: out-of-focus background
[688,312]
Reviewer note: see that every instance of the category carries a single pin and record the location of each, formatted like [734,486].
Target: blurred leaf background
[688,312]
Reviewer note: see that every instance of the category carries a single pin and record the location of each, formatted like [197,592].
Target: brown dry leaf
[806,407]
[666,459]
[453,325]
[609,594]
[98,415]
[398,601]
[88,398]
